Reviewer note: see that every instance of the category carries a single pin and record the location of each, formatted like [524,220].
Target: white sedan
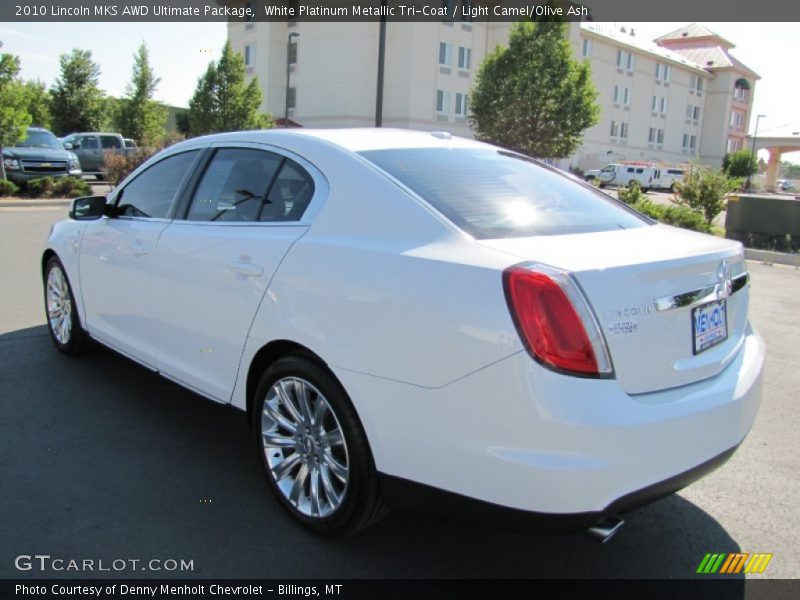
[411,319]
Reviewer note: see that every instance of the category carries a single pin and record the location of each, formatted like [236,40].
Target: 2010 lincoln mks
[409,317]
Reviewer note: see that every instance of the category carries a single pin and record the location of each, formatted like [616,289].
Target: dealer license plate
[709,325]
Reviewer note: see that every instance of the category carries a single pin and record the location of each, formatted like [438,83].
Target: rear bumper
[521,437]
[408,495]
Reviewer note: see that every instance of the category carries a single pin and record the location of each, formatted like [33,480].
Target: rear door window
[234,185]
[497,194]
[110,142]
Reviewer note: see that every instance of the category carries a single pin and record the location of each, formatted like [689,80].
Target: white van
[621,174]
[665,178]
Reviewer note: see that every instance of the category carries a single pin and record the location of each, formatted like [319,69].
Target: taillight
[554,320]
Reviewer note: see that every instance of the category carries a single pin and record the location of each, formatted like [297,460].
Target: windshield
[40,139]
[491,194]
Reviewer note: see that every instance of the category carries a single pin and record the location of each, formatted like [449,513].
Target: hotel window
[663,105]
[741,89]
[464,56]
[461,105]
[587,47]
[699,87]
[660,136]
[692,142]
[651,136]
[654,104]
[619,58]
[614,129]
[623,131]
[291,98]
[688,111]
[248,56]
[685,141]
[662,72]
[616,94]
[630,62]
[292,58]
[626,97]
[696,113]
[442,102]
[445,54]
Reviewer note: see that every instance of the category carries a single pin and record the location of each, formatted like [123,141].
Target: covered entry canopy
[777,142]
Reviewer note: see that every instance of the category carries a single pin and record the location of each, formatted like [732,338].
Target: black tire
[77,341]
[360,503]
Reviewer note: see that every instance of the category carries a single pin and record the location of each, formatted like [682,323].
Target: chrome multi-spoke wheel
[59,305]
[60,310]
[313,448]
[304,447]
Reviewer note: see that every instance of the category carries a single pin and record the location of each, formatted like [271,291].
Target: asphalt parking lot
[101,459]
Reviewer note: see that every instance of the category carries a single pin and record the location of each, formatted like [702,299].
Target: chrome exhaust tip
[606,529]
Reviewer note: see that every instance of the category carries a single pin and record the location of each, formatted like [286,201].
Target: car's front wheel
[61,312]
[313,448]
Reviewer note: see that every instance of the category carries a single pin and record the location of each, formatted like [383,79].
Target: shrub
[8,188]
[119,166]
[703,191]
[679,216]
[70,187]
[632,194]
[740,163]
[41,187]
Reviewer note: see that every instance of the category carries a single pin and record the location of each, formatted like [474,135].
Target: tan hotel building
[682,97]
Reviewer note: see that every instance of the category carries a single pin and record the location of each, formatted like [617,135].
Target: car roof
[353,139]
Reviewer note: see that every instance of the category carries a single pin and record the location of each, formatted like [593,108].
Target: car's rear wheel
[62,315]
[313,448]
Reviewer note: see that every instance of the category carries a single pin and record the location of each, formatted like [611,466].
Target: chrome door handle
[246,269]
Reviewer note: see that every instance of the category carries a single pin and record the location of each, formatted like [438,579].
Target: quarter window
[290,195]
[151,193]
[234,185]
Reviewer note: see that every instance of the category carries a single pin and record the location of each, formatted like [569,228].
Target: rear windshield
[495,194]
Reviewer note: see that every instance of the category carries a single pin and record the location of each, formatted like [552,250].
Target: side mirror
[87,208]
[68,146]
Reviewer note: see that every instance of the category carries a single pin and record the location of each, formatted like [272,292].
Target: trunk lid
[636,281]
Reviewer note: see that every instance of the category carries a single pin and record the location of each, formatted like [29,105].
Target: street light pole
[753,151]
[292,35]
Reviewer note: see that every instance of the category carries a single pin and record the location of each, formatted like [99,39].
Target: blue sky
[180,53]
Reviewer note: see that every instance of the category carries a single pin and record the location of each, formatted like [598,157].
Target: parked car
[130,144]
[785,185]
[666,178]
[411,317]
[40,154]
[91,148]
[620,174]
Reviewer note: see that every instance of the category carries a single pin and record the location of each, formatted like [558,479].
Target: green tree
[140,117]
[14,115]
[703,190]
[532,96]
[739,164]
[223,102]
[38,101]
[77,101]
[789,170]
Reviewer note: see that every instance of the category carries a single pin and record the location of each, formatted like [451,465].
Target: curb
[35,203]
[770,257]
